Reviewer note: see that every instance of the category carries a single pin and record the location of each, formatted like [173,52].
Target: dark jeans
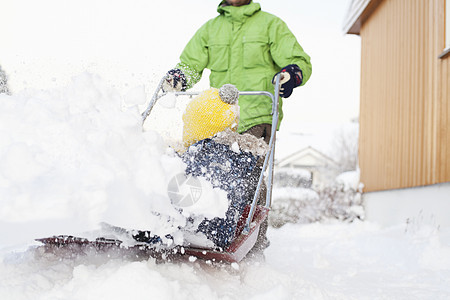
[261,131]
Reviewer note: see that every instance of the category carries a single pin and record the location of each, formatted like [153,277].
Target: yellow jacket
[207,115]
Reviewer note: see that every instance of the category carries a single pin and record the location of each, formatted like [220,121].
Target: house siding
[404,114]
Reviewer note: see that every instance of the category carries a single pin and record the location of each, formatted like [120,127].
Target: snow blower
[234,236]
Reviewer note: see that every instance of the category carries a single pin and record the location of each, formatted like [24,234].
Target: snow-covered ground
[73,157]
[315,261]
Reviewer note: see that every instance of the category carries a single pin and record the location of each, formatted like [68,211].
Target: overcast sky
[134,42]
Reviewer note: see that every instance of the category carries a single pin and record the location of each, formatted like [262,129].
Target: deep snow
[77,156]
[315,261]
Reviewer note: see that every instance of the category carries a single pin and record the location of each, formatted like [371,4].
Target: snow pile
[75,157]
[4,89]
[294,205]
[292,177]
[349,180]
[295,201]
[242,142]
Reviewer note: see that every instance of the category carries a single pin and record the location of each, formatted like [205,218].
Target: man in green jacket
[246,47]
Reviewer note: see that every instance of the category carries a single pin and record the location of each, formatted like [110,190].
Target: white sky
[134,42]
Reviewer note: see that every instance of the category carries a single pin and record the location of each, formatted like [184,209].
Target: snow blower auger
[236,172]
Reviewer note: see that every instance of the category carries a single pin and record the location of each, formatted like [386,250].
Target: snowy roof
[307,157]
[357,12]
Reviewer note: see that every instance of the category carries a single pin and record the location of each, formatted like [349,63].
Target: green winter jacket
[246,47]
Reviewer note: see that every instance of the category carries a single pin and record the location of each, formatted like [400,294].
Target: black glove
[291,77]
[175,81]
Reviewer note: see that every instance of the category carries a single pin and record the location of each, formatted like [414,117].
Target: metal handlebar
[268,160]
[270,155]
[155,97]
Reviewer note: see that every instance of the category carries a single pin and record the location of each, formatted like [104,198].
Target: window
[447,30]
[447,24]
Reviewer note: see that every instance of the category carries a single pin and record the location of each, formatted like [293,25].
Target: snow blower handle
[155,97]
[268,160]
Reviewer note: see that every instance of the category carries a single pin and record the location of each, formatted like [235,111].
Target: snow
[168,101]
[296,193]
[210,203]
[235,147]
[77,156]
[242,142]
[302,173]
[428,204]
[359,260]
[349,180]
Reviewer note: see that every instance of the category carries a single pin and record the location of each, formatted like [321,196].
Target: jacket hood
[239,13]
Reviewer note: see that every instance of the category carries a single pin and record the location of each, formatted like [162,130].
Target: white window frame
[447,24]
[446,51]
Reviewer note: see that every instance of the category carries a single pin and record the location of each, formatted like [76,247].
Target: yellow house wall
[404,117]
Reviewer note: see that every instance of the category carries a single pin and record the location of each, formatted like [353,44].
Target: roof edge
[358,11]
[302,151]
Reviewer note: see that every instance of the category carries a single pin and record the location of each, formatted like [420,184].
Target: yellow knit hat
[207,114]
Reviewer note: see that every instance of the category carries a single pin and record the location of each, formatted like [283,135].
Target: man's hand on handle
[291,77]
[175,81]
